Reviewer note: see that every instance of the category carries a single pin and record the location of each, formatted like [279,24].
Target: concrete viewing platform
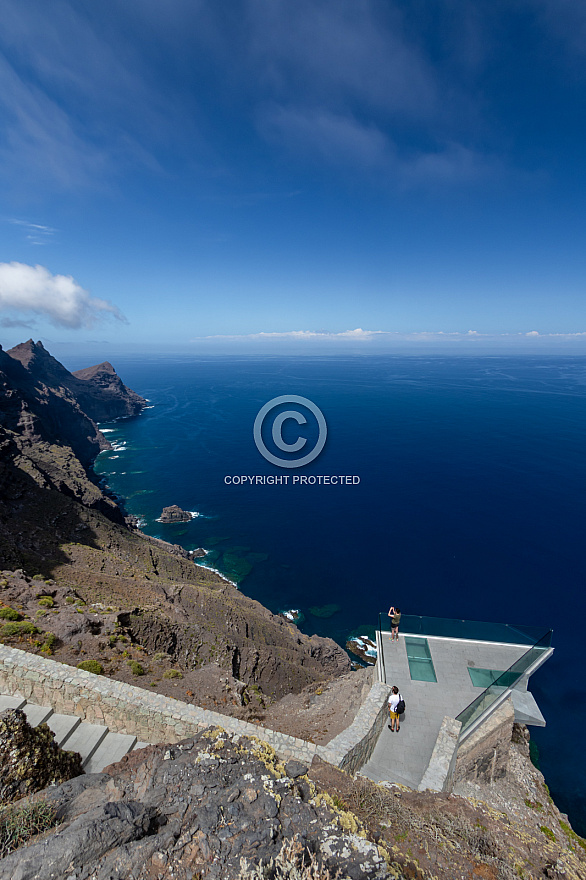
[403,757]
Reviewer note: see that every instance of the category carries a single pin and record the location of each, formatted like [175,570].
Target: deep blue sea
[471,501]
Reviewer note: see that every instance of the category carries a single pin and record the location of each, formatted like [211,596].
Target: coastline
[457,537]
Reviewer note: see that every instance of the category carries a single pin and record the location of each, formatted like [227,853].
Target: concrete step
[97,746]
[13,702]
[112,749]
[85,739]
[62,726]
[36,715]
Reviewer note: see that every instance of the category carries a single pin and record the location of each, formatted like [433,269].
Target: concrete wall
[439,775]
[155,718]
[484,755]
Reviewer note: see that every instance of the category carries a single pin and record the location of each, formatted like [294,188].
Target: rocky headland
[78,582]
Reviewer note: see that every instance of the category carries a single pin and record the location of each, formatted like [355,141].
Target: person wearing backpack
[396,707]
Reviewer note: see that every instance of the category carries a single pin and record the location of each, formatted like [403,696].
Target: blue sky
[305,176]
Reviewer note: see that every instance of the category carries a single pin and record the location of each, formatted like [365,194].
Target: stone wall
[484,755]
[125,708]
[152,717]
[352,748]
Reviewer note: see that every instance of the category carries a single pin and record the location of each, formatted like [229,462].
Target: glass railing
[505,682]
[452,628]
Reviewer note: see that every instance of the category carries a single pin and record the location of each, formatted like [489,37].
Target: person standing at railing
[395,615]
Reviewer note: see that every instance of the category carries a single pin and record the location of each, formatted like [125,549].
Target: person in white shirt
[394,699]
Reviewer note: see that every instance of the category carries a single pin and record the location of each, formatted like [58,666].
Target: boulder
[30,759]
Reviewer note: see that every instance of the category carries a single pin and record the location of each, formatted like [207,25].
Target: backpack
[400,706]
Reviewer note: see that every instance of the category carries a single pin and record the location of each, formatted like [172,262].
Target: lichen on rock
[30,759]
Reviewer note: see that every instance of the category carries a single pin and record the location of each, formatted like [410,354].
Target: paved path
[97,745]
[403,757]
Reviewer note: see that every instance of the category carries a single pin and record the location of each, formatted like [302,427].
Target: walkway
[97,745]
[403,757]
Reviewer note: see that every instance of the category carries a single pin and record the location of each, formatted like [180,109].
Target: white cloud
[385,337]
[34,289]
[35,233]
[333,137]
[303,334]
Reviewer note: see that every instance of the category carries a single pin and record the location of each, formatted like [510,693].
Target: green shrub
[572,834]
[46,602]
[19,823]
[135,667]
[49,643]
[38,577]
[9,614]
[548,832]
[3,583]
[70,600]
[91,666]
[112,640]
[161,656]
[19,628]
[172,673]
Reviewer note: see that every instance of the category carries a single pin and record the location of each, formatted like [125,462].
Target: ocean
[467,498]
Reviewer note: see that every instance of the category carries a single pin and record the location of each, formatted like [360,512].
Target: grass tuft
[19,823]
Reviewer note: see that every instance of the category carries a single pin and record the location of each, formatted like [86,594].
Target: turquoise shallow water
[471,501]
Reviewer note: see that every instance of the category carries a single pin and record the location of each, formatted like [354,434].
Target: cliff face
[38,408]
[49,414]
[98,391]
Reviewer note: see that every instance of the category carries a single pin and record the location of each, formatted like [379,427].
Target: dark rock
[175,514]
[30,759]
[194,810]
[364,648]
[52,437]
[102,394]
[295,769]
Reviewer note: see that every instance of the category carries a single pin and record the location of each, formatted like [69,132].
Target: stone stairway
[97,745]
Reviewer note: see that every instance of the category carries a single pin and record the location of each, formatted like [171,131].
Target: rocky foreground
[222,806]
[201,808]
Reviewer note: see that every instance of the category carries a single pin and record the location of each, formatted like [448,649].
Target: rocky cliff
[99,391]
[110,593]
